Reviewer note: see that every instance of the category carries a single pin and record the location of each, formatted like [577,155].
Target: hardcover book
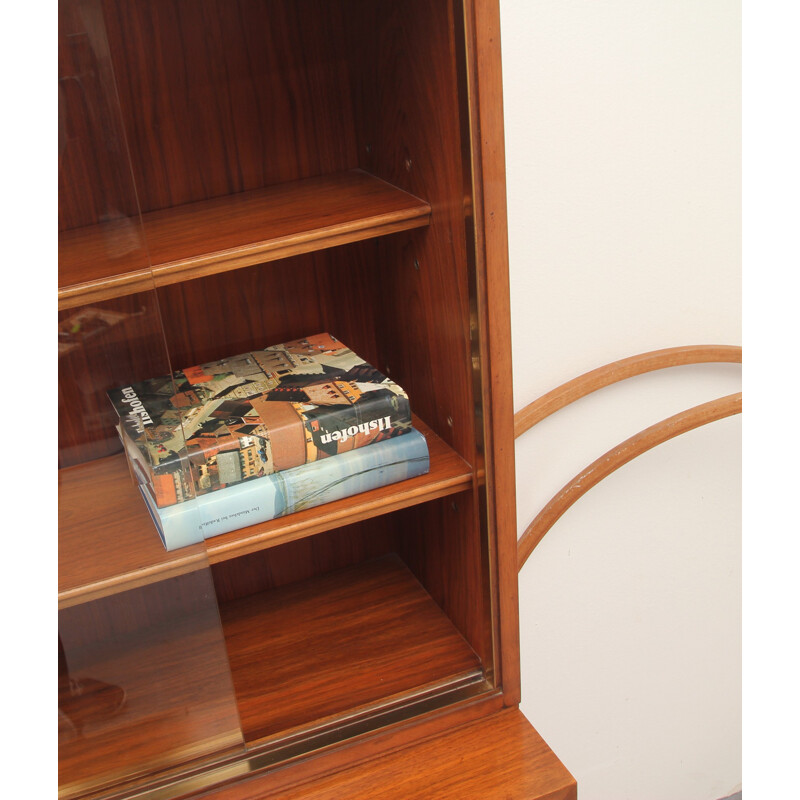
[287,491]
[240,419]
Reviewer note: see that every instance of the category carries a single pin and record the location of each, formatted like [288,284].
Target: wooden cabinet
[234,174]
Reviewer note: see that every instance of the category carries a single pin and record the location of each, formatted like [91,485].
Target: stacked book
[253,437]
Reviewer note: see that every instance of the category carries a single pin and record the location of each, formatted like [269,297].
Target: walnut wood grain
[94,175]
[222,97]
[411,136]
[236,231]
[493,301]
[108,543]
[499,757]
[313,651]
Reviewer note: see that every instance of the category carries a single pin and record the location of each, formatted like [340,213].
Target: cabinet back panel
[222,96]
[231,313]
[94,177]
[208,318]
[406,101]
[303,559]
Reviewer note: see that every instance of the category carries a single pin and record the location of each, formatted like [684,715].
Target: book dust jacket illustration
[219,424]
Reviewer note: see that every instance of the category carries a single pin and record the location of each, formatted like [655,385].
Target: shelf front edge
[354,512]
[384,209]
[149,564]
[285,247]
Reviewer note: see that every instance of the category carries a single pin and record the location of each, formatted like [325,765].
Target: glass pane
[144,684]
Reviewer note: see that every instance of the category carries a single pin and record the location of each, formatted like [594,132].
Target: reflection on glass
[144,684]
[143,678]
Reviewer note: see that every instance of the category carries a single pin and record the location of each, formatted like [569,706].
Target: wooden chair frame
[643,441]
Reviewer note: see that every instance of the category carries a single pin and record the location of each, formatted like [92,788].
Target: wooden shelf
[307,656]
[108,543]
[500,757]
[339,645]
[110,260]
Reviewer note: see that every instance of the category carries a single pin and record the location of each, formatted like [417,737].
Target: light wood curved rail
[617,371]
[615,458]
[643,441]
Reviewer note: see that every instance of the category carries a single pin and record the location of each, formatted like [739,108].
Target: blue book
[290,490]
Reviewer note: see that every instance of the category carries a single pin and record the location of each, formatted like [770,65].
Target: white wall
[623,160]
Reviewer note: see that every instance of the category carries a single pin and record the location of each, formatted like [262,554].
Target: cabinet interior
[330,137]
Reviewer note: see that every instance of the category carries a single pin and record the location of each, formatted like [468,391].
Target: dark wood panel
[320,648]
[410,136]
[338,291]
[350,281]
[223,315]
[442,546]
[94,177]
[223,96]
[414,137]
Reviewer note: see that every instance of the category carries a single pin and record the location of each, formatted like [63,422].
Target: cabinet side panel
[405,95]
[439,546]
[482,22]
[409,107]
[220,97]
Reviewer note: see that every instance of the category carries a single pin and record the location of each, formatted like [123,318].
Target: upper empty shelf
[225,233]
